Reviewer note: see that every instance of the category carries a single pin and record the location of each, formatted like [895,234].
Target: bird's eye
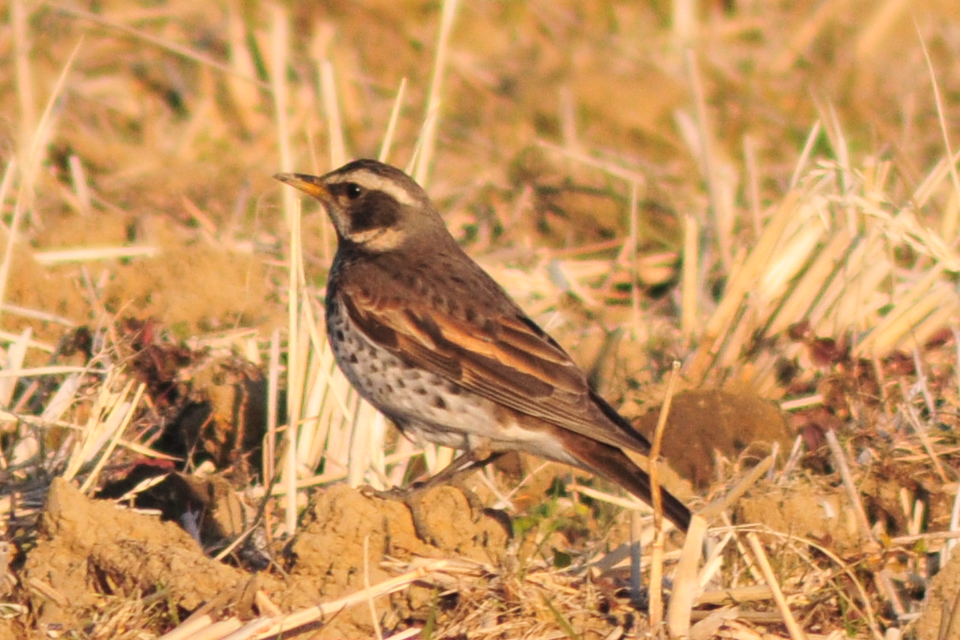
[353,190]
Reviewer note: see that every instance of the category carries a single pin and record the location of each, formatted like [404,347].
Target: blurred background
[764,191]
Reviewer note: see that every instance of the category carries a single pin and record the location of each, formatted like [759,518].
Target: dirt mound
[942,598]
[86,545]
[706,422]
[92,551]
[810,513]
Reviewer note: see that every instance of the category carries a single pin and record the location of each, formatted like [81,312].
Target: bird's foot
[394,494]
[419,499]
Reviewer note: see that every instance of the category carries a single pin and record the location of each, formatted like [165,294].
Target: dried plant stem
[885,586]
[792,627]
[306,616]
[330,476]
[634,239]
[656,564]
[331,107]
[689,316]
[64,256]
[280,92]
[718,506]
[273,398]
[924,438]
[366,587]
[429,133]
[203,626]
[941,117]
[851,488]
[736,594]
[270,626]
[387,142]
[128,414]
[19,19]
[722,215]
[685,583]
[32,154]
[684,21]
[636,548]
[742,281]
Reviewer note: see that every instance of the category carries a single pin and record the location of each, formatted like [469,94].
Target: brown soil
[91,549]
[706,425]
[822,516]
[941,619]
[84,542]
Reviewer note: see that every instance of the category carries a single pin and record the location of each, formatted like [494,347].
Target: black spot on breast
[454,389]
[353,359]
[439,403]
[401,384]
[339,335]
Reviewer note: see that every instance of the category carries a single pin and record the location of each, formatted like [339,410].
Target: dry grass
[800,161]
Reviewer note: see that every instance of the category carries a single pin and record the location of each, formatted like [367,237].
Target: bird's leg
[453,474]
[468,461]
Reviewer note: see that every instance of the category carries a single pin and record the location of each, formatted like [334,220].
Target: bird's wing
[506,358]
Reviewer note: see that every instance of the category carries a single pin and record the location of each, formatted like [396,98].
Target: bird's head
[374,206]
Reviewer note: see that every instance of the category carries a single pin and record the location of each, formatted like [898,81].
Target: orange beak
[311,185]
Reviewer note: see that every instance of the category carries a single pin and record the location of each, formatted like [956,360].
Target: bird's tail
[614,465]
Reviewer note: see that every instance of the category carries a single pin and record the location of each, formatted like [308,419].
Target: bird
[432,341]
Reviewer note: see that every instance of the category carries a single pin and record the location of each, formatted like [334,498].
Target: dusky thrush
[434,343]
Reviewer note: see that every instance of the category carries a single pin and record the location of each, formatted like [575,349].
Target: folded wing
[507,359]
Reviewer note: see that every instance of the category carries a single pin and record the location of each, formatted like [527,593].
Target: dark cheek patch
[375,210]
